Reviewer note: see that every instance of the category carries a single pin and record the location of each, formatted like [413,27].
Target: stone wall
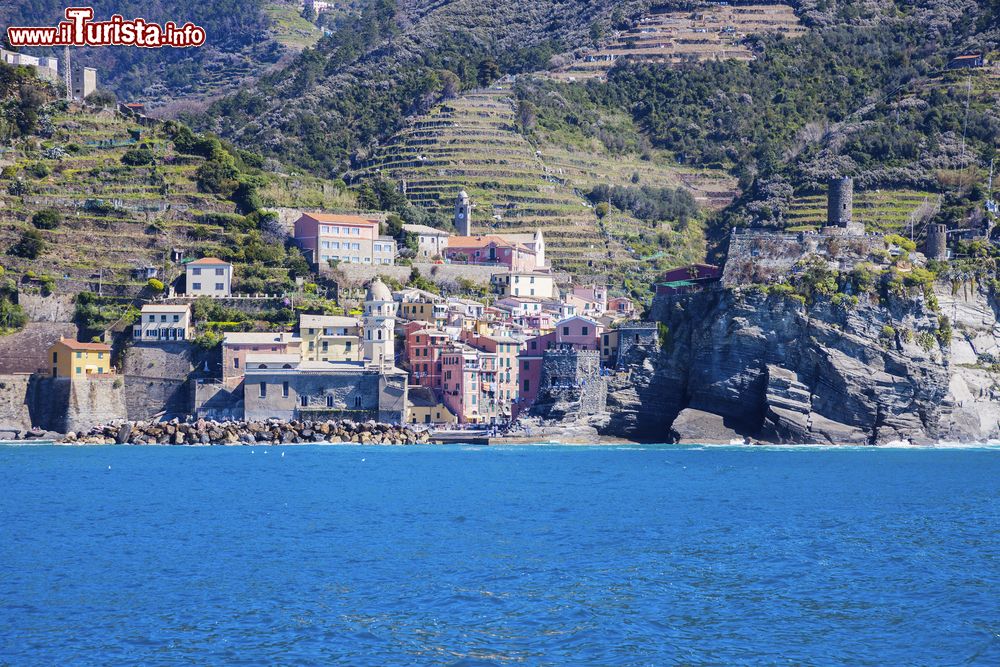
[765,257]
[358,395]
[15,414]
[156,376]
[636,342]
[213,400]
[64,404]
[572,385]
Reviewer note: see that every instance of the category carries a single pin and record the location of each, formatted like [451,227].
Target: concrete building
[621,307]
[161,323]
[284,388]
[506,350]
[533,242]
[330,338]
[416,305]
[379,326]
[327,238]
[72,359]
[209,276]
[431,242]
[237,345]
[538,285]
[469,384]
[84,82]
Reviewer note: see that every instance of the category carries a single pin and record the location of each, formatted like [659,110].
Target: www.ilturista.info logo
[80,30]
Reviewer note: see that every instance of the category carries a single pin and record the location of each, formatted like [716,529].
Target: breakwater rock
[270,432]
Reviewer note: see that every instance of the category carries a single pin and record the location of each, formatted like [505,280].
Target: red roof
[77,345]
[209,260]
[342,219]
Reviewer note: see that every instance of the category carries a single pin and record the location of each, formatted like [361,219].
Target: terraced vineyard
[882,211]
[707,32]
[117,219]
[472,142]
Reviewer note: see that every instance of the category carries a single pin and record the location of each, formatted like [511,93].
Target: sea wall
[15,413]
[156,376]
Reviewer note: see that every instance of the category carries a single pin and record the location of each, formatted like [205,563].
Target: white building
[209,276]
[162,323]
[530,284]
[431,242]
[46,68]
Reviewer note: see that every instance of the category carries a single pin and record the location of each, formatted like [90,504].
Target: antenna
[67,76]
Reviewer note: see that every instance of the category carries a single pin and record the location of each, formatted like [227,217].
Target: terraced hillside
[117,219]
[706,32]
[882,211]
[472,143]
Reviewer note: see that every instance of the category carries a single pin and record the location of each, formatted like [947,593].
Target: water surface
[483,556]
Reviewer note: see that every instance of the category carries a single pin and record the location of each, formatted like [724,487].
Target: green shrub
[30,245]
[139,156]
[38,170]
[47,218]
[901,242]
[155,285]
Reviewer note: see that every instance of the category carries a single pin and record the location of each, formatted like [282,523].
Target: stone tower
[937,242]
[463,214]
[379,326]
[840,203]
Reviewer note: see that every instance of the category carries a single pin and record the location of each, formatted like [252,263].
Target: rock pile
[271,432]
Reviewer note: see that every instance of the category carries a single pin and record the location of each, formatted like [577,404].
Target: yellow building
[432,311]
[423,407]
[72,359]
[330,338]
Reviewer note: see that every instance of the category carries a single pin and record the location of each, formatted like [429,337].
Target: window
[78,370]
[357,401]
[177,318]
[329,401]
[586,330]
[236,362]
[55,357]
[347,346]
[284,389]
[196,286]
[220,286]
[263,390]
[220,272]
[304,401]
[196,272]
[100,355]
[163,318]
[527,385]
[565,331]
[326,346]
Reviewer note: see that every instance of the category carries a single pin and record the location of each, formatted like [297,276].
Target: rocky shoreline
[204,432]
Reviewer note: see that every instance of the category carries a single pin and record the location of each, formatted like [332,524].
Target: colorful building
[424,408]
[330,338]
[73,359]
[424,348]
[686,279]
[353,239]
[492,250]
[431,242]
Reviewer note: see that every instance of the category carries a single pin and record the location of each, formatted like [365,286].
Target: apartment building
[160,323]
[330,338]
[331,238]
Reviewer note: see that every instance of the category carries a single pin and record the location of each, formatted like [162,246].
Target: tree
[488,72]
[47,218]
[30,245]
[138,156]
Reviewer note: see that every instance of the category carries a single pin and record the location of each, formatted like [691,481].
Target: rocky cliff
[741,363]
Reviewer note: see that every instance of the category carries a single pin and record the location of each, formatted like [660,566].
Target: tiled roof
[342,218]
[77,345]
[208,260]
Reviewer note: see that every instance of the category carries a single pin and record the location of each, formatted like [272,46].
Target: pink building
[687,279]
[469,384]
[490,250]
[351,239]
[424,348]
[506,350]
[621,306]
[595,294]
[236,346]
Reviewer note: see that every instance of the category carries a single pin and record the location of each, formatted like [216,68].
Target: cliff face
[741,363]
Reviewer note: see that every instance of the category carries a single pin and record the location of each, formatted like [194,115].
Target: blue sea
[540,555]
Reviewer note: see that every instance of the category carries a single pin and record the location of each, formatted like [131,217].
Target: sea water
[494,556]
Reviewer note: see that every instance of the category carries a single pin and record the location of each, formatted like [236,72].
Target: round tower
[840,203]
[937,242]
[463,214]
[379,325]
